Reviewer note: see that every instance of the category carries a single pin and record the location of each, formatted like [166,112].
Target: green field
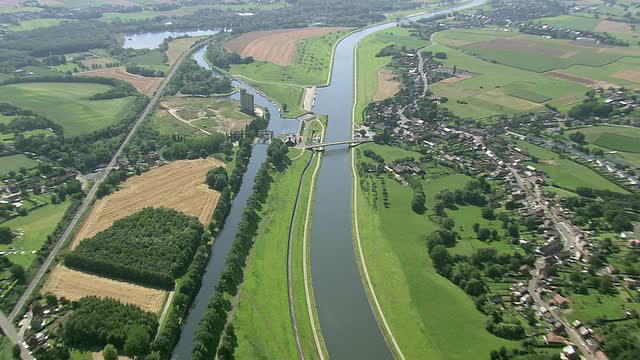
[620,138]
[430,317]
[368,64]
[595,305]
[15,163]
[579,23]
[282,94]
[262,320]
[499,89]
[608,72]
[36,226]
[188,10]
[36,23]
[68,104]
[565,173]
[6,349]
[541,54]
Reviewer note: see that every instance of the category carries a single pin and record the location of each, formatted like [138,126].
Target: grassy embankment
[417,302]
[310,67]
[262,321]
[57,101]
[565,173]
[368,64]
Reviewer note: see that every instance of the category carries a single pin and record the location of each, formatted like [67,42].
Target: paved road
[5,323]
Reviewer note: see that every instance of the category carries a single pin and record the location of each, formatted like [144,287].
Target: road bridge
[352,143]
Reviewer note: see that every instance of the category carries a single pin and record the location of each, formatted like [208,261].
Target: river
[348,325]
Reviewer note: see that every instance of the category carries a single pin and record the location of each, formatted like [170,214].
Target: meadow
[36,226]
[57,101]
[611,73]
[417,302]
[35,23]
[15,163]
[281,94]
[595,305]
[573,22]
[626,139]
[368,64]
[262,320]
[565,173]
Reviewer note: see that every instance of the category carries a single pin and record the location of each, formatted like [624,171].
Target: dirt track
[276,46]
[178,185]
[74,285]
[146,85]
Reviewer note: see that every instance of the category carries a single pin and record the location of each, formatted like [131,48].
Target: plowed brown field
[74,285]
[276,46]
[179,185]
[146,85]
[387,85]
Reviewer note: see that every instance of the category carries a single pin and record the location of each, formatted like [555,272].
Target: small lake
[152,40]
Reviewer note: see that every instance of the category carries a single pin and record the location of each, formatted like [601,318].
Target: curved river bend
[348,324]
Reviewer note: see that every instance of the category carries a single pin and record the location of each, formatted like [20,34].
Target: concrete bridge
[352,143]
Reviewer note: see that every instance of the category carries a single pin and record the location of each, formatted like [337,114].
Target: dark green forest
[152,247]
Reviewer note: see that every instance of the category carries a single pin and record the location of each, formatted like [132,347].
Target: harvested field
[146,85]
[74,285]
[455,79]
[387,85]
[579,79]
[629,75]
[275,46]
[178,185]
[519,45]
[614,27]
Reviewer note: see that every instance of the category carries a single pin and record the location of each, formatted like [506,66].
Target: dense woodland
[153,247]
[193,79]
[98,322]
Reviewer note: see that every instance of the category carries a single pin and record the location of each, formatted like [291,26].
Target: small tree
[109,352]
[137,343]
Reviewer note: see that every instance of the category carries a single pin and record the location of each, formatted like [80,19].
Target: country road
[6,323]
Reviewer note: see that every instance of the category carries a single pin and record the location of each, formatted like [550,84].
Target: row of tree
[210,328]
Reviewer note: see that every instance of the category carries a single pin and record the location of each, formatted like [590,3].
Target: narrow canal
[346,319]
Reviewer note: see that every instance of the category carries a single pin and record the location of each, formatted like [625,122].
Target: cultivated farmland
[178,185]
[73,285]
[387,85]
[620,138]
[275,46]
[68,104]
[146,85]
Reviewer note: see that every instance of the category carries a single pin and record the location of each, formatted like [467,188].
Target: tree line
[193,79]
[220,58]
[212,324]
[139,70]
[152,247]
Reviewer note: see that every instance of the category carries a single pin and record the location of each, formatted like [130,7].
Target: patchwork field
[178,185]
[57,100]
[73,285]
[275,46]
[533,53]
[622,72]
[620,138]
[146,85]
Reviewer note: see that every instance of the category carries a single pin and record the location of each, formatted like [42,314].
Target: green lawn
[14,163]
[618,138]
[368,64]
[291,95]
[595,305]
[565,173]
[579,23]
[6,349]
[262,321]
[68,104]
[431,317]
[36,226]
